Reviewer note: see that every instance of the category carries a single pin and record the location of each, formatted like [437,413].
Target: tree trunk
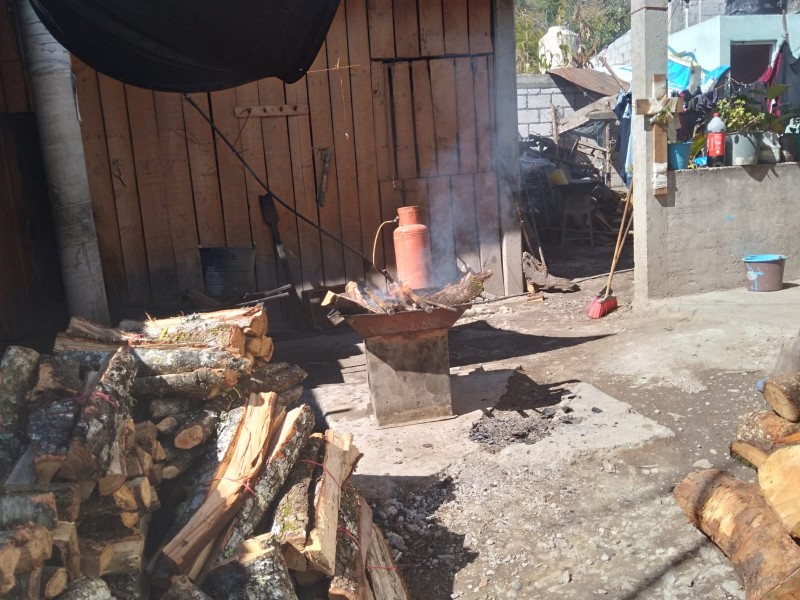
[50,76]
[283,453]
[87,588]
[766,430]
[782,393]
[735,516]
[17,374]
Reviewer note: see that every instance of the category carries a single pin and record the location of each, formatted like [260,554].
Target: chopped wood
[17,375]
[292,519]
[131,586]
[228,490]
[777,478]
[274,377]
[364,540]
[782,393]
[116,522]
[290,397]
[183,589]
[9,557]
[102,420]
[258,576]
[735,516]
[766,430]
[252,320]
[66,550]
[54,581]
[197,430]
[50,428]
[385,307]
[34,543]
[27,585]
[409,293]
[112,555]
[87,588]
[203,383]
[117,472]
[19,508]
[282,454]
[462,292]
[340,459]
[23,472]
[348,576]
[749,454]
[165,407]
[383,576]
[353,293]
[261,346]
[84,328]
[178,461]
[171,422]
[344,304]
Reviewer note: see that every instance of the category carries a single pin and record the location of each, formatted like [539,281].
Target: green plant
[742,114]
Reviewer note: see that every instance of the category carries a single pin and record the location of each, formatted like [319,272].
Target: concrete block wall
[536,93]
[715,217]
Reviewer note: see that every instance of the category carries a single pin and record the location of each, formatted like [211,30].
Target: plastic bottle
[715,142]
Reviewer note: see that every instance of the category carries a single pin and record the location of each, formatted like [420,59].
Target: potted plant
[745,123]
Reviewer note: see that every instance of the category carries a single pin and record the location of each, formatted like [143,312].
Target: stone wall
[535,95]
[713,218]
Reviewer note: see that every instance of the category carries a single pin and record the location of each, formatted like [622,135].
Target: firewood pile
[757,525]
[357,300]
[169,458]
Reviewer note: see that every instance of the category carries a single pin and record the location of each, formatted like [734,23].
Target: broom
[605,302]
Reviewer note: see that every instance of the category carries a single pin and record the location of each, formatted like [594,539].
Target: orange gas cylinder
[412,248]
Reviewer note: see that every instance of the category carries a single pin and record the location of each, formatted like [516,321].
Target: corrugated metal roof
[588,79]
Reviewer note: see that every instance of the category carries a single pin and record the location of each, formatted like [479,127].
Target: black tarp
[191,45]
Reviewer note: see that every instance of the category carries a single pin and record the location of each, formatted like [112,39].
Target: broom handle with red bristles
[623,227]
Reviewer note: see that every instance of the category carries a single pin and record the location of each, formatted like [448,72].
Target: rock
[702,464]
[566,577]
[516,585]
[733,588]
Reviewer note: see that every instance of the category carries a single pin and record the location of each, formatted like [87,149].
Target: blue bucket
[764,272]
[678,156]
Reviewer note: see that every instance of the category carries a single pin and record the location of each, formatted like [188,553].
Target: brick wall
[536,93]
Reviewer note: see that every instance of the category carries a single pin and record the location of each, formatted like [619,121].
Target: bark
[87,588]
[463,292]
[251,320]
[50,427]
[283,453]
[782,393]
[201,384]
[34,543]
[183,589]
[238,469]
[27,585]
[67,496]
[169,424]
[735,516]
[353,293]
[340,458]
[346,582]
[274,377]
[384,578]
[365,529]
[17,373]
[292,519]
[38,508]
[290,397]
[199,333]
[102,420]
[197,430]
[766,430]
[165,407]
[50,76]
[128,587]
[54,581]
[260,576]
[66,550]
[153,360]
[178,461]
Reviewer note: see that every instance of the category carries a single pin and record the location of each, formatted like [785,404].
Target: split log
[54,581]
[117,522]
[261,346]
[782,393]
[197,430]
[462,292]
[178,461]
[117,472]
[343,304]
[17,509]
[153,360]
[777,478]
[132,586]
[67,497]
[101,421]
[165,407]
[17,374]
[290,397]
[274,377]
[292,519]
[138,462]
[112,555]
[241,465]
[385,307]
[251,320]
[384,578]
[282,454]
[66,550]
[258,576]
[171,422]
[34,543]
[766,430]
[749,454]
[340,459]
[365,526]
[81,327]
[202,384]
[736,517]
[87,588]
[183,589]
[27,585]
[346,582]
[9,557]
[49,430]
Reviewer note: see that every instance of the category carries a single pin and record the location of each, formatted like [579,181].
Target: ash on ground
[526,413]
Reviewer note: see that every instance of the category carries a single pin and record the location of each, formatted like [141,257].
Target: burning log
[463,292]
[735,516]
[384,307]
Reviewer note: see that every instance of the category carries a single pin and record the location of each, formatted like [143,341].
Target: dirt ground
[555,478]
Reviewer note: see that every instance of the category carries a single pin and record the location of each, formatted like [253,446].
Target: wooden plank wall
[399,97]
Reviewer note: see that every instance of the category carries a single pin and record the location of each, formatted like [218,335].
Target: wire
[375,243]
